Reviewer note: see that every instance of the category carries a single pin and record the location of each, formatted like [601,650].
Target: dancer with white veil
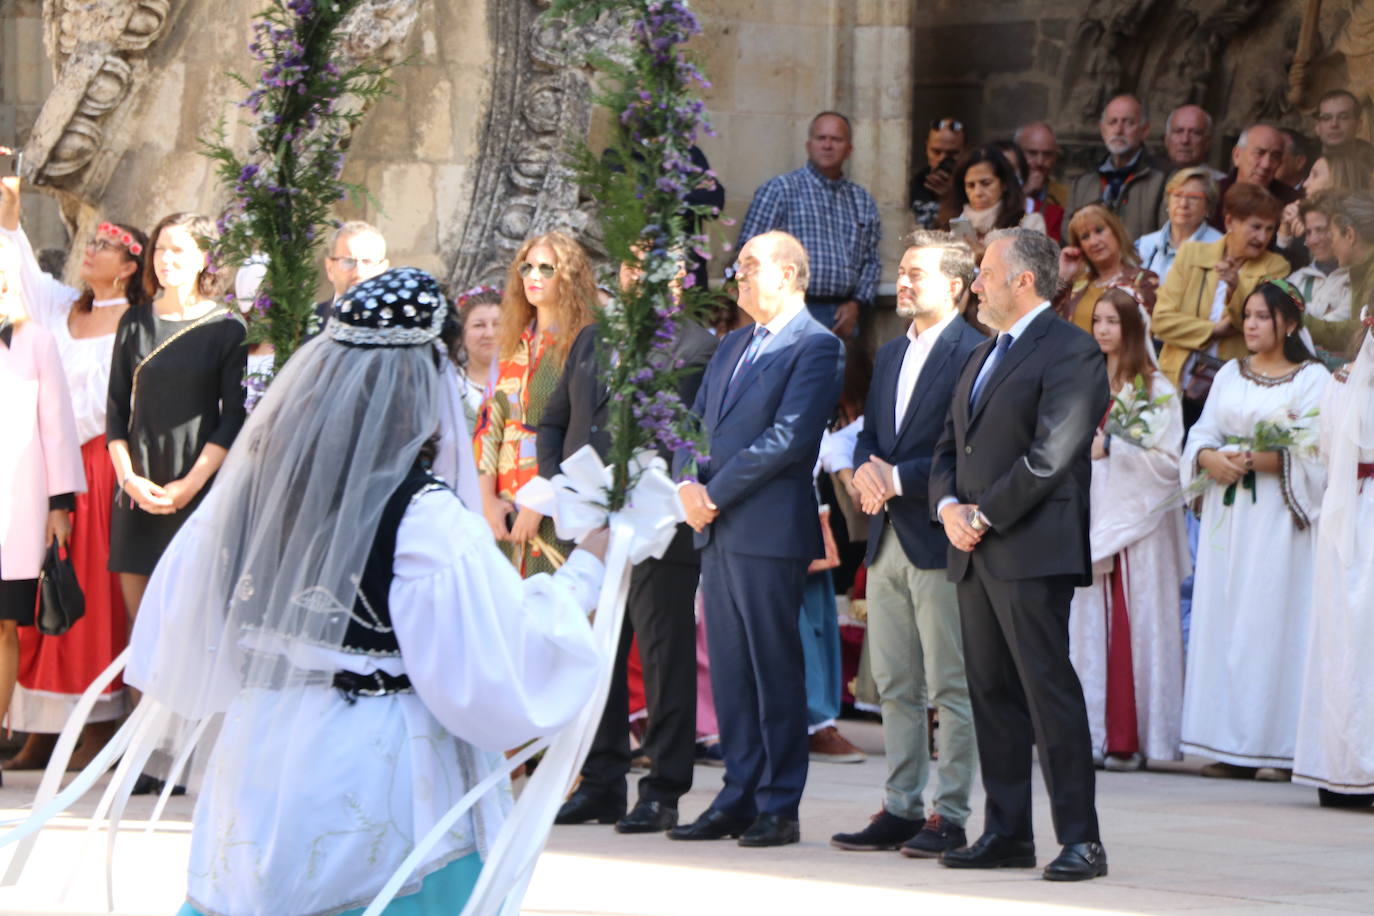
[365,649]
[1335,747]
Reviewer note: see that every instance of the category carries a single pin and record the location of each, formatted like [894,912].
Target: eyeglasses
[97,245]
[355,263]
[545,270]
[1189,197]
[739,270]
[948,124]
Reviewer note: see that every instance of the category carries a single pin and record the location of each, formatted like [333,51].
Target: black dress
[174,387]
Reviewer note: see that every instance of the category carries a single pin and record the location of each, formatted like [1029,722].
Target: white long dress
[1252,591]
[316,819]
[1336,729]
[1150,549]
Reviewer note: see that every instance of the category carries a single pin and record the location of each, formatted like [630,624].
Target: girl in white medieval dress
[1252,594]
[351,625]
[1336,729]
[1124,633]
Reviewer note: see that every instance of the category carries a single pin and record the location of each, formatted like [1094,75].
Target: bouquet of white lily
[1136,417]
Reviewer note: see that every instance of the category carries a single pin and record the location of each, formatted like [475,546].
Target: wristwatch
[978,521]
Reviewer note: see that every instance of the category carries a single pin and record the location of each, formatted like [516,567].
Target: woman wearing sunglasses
[549,296]
[54,670]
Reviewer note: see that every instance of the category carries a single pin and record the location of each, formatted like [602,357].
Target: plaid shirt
[836,222]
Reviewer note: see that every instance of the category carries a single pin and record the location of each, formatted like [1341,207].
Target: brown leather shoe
[829,746]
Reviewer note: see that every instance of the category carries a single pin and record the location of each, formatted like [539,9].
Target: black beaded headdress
[403,307]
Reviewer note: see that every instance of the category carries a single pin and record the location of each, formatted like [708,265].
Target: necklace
[109,303]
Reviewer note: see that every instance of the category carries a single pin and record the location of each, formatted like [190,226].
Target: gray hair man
[1255,159]
[1188,139]
[1126,180]
[1009,481]
[357,252]
[915,645]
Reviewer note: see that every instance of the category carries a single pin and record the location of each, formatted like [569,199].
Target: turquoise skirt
[443,893]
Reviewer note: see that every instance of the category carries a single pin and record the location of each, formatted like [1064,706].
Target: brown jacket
[1185,302]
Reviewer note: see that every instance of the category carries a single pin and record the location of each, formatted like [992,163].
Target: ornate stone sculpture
[98,47]
[540,99]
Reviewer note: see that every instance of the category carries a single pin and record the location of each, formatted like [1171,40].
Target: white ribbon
[576,500]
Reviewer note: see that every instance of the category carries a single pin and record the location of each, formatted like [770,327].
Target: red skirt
[55,670]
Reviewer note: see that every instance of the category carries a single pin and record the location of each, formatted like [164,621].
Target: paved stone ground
[1176,842]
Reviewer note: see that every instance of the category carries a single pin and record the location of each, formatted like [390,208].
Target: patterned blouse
[505,435]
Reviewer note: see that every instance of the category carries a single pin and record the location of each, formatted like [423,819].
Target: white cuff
[896,480]
[947,501]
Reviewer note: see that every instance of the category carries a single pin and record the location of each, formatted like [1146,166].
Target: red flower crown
[119,236]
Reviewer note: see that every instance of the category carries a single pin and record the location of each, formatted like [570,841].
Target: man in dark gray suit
[765,400]
[914,643]
[1010,484]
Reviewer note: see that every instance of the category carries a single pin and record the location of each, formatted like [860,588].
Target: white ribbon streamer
[575,499]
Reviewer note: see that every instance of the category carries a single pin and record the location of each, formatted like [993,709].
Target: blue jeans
[820,634]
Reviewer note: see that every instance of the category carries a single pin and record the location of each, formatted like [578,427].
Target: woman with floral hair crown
[1125,638]
[1255,449]
[54,670]
[1335,749]
[355,632]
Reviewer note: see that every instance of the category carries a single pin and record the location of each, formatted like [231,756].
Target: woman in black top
[176,400]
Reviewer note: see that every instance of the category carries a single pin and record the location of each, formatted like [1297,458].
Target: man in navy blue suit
[765,400]
[915,646]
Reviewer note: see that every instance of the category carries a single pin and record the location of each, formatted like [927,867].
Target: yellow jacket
[1185,302]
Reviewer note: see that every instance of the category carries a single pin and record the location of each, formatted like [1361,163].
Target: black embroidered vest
[369,628]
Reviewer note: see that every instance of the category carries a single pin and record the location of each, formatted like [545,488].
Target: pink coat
[39,452]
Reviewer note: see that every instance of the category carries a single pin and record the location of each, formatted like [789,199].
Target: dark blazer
[1023,456]
[909,447]
[576,415]
[764,435]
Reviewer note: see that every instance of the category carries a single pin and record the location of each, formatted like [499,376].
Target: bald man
[1188,139]
[1045,193]
[1127,182]
[1256,158]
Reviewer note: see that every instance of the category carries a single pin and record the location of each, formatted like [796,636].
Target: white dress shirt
[913,361]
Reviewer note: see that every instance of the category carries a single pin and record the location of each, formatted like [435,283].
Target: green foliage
[303,108]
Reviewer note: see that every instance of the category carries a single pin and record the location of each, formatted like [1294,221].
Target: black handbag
[60,602]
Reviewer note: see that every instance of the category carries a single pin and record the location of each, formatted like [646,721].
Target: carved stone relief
[1172,52]
[97,46]
[540,100]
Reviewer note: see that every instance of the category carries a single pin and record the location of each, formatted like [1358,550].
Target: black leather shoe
[772,830]
[884,831]
[584,806]
[712,825]
[991,851]
[648,817]
[1078,862]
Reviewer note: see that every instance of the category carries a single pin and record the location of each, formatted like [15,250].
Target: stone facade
[112,97]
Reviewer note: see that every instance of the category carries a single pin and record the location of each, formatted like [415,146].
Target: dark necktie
[751,353]
[1004,342]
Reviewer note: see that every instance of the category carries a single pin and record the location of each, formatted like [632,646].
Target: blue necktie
[750,354]
[1004,342]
